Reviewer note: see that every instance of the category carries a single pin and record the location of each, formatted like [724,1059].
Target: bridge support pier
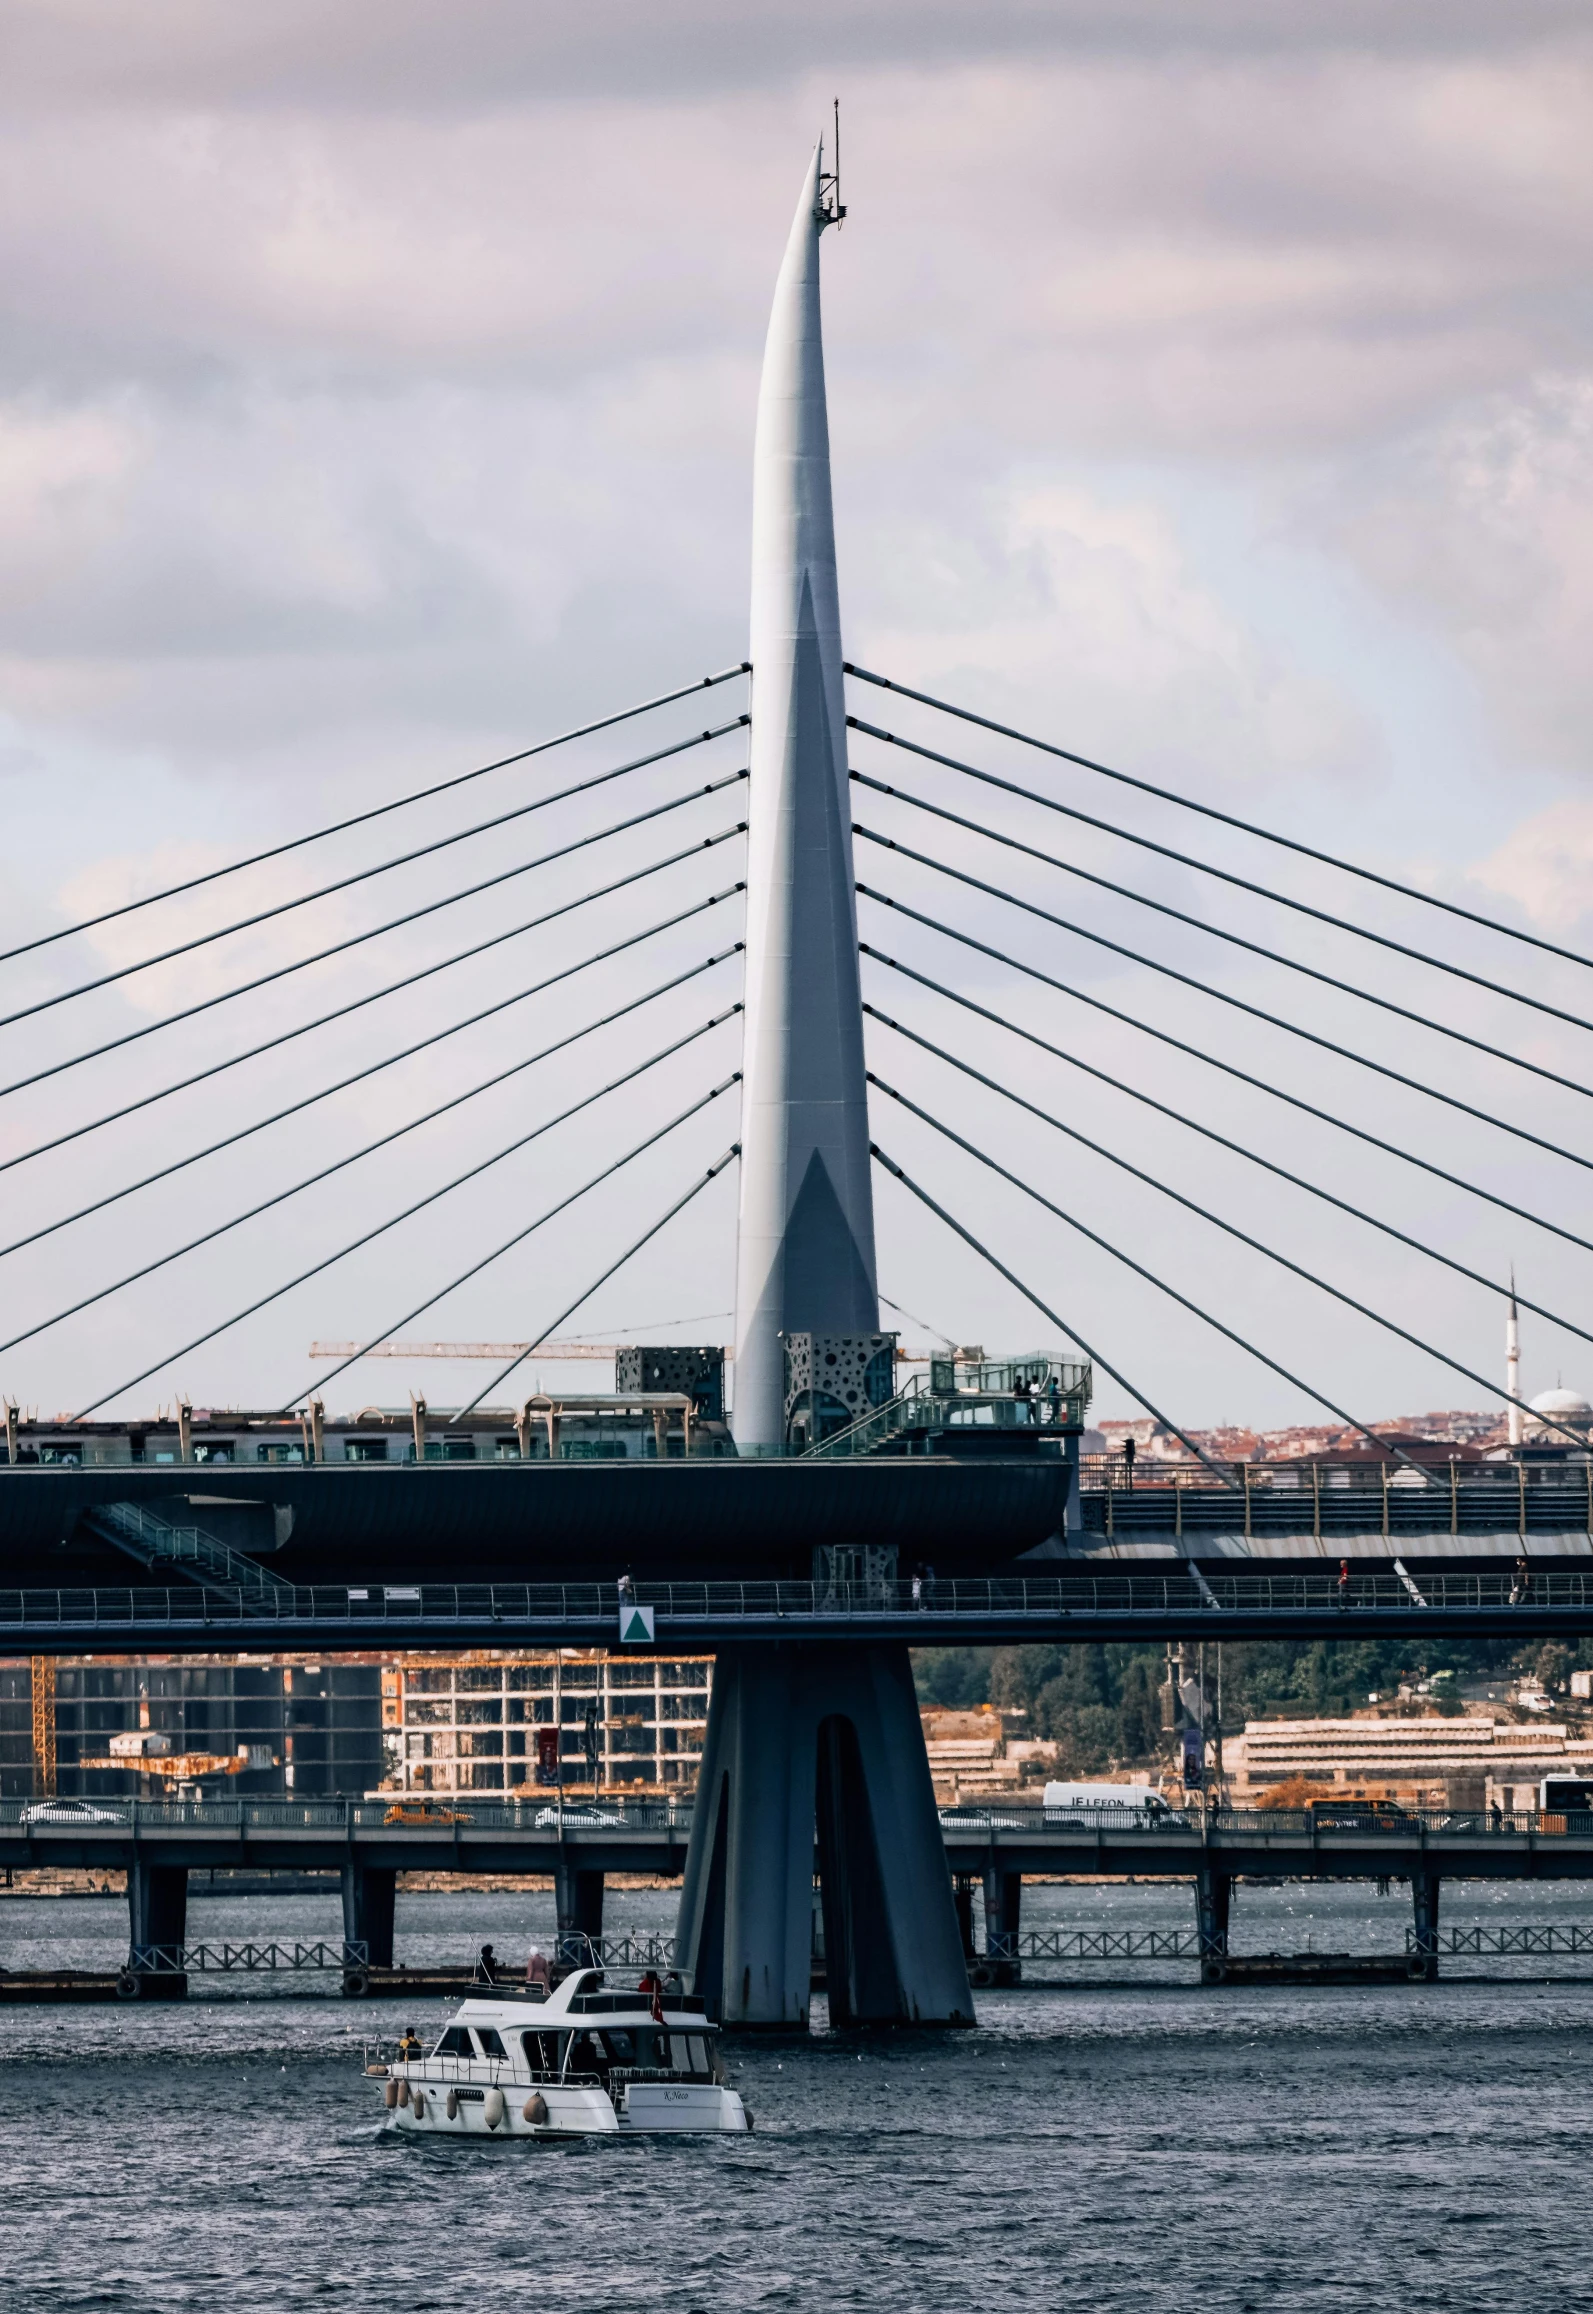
[1424,1890]
[157,1913]
[812,1739]
[962,1895]
[1213,1903]
[369,1895]
[578,1901]
[1003,1907]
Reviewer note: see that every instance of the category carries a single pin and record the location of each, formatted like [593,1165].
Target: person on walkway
[1129,1451]
[918,1588]
[1344,1582]
[1053,1397]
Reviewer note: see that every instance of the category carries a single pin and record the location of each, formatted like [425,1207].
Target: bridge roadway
[1058,1608]
[607,1836]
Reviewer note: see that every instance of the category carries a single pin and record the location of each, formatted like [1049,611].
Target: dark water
[1155,2148]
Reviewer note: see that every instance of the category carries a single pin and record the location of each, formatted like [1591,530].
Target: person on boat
[652,1986]
[487,1964]
[537,1971]
[410,2046]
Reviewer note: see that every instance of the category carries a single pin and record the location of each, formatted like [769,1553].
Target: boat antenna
[830,210]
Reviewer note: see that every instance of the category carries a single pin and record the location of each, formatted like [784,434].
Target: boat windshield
[647,2049]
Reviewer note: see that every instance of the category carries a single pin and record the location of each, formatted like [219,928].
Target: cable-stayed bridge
[703,892]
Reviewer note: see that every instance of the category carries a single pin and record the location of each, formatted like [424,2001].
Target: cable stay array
[1204,988]
[384,1141]
[368,1236]
[378,811]
[393,924]
[520,1237]
[412,980]
[1201,1212]
[1260,1084]
[1216,932]
[1226,819]
[626,1003]
[1184,860]
[391,1060]
[364,875]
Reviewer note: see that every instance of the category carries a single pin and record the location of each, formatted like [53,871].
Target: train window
[365,1450]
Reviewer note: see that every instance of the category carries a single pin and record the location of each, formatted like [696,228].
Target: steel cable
[245,1132]
[1234,939]
[393,1221]
[1187,980]
[410,980]
[393,924]
[341,1164]
[361,876]
[1069,1333]
[1232,1229]
[553,1325]
[378,811]
[1237,1148]
[1184,860]
[1293,1100]
[1225,819]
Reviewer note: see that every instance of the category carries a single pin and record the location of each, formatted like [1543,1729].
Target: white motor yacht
[584,2060]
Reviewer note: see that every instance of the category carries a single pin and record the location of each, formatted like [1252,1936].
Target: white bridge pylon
[805,1239]
[808,1746]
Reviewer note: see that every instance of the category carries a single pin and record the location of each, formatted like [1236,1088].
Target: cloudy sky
[1211,391]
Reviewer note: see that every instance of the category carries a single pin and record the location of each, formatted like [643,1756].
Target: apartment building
[1460,1761]
[501,1722]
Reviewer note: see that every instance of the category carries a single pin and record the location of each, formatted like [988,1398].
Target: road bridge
[369,1842]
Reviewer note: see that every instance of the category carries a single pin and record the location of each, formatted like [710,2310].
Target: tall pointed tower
[812,1748]
[805,1247]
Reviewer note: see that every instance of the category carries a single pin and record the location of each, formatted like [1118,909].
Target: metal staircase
[166,1549]
[959,1393]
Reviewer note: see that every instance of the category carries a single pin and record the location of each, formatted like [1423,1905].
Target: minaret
[1513,1367]
[805,1247]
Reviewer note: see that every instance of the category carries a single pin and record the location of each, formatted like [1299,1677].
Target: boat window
[701,2054]
[587,2055]
[541,2051]
[636,2047]
[491,2045]
[454,2043]
[680,2053]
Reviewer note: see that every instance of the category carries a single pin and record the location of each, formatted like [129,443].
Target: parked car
[72,1812]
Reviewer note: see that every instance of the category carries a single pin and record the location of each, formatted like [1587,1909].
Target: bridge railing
[591,1609]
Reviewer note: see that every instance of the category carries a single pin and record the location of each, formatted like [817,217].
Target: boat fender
[390,2095]
[492,2108]
[403,2092]
[453,2105]
[535,2110]
[418,2101]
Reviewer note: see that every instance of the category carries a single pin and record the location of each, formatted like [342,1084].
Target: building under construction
[324,1727]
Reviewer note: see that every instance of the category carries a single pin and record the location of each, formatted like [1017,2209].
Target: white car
[583,1815]
[71,1812]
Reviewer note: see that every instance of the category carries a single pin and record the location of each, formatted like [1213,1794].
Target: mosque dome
[1563,1406]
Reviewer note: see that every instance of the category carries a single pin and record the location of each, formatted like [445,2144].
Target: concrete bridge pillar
[370,1894]
[1424,1891]
[157,1910]
[578,1899]
[1003,1906]
[1213,1902]
[819,1741]
[962,1892]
